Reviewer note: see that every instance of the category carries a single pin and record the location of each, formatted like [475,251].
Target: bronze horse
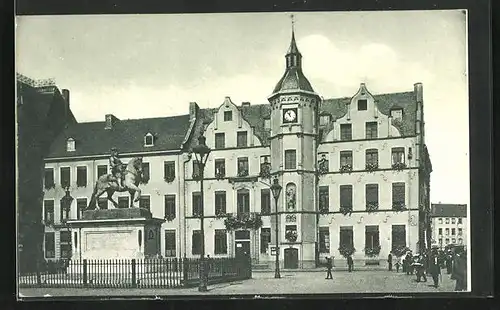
[108,183]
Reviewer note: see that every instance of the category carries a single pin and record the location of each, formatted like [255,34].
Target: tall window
[362,105]
[346,196]
[398,236]
[440,231]
[81,205]
[440,220]
[243,166]
[453,231]
[220,167]
[103,203]
[49,178]
[48,206]
[123,202]
[265,239]
[220,241]
[372,157]
[453,220]
[102,170]
[265,201]
[145,202]
[65,244]
[50,245]
[398,155]
[196,243]
[65,210]
[81,176]
[145,173]
[460,231]
[220,140]
[196,204]
[170,206]
[345,132]
[324,240]
[196,169]
[324,199]
[447,220]
[459,220]
[447,231]
[372,237]
[70,145]
[346,236]
[228,116]
[243,200]
[169,171]
[170,244]
[220,202]
[241,139]
[371,191]
[65,177]
[371,130]
[290,159]
[346,159]
[398,195]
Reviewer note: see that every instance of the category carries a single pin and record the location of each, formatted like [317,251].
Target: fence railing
[136,273]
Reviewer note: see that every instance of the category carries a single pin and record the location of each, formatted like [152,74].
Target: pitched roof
[448,210]
[293,79]
[126,135]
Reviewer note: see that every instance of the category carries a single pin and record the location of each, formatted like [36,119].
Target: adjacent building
[449,224]
[355,173]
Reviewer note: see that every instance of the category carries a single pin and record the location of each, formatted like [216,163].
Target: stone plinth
[116,234]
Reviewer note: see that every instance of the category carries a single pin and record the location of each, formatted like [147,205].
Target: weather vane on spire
[293,21]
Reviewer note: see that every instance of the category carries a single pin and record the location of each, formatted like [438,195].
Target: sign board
[273,251]
[239,245]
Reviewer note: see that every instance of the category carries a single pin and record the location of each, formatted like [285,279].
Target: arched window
[149,140]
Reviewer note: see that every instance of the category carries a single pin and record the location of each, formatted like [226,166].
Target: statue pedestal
[116,234]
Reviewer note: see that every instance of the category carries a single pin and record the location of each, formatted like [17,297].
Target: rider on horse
[116,166]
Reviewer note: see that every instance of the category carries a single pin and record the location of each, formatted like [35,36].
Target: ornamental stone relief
[291,197]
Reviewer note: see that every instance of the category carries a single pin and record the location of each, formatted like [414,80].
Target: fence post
[249,276]
[134,275]
[85,280]
[185,271]
[38,275]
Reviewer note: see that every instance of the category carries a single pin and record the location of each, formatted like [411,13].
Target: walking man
[329,266]
[350,263]
[420,268]
[389,261]
[435,269]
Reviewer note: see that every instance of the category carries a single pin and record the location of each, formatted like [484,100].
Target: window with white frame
[149,139]
[70,145]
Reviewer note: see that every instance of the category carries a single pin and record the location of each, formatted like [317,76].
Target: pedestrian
[329,266]
[409,262]
[398,263]
[449,262]
[420,268]
[459,273]
[435,269]
[350,263]
[389,261]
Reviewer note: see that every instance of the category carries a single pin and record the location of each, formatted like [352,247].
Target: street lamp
[276,189]
[201,152]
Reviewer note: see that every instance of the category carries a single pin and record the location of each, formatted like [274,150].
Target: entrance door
[291,258]
[242,249]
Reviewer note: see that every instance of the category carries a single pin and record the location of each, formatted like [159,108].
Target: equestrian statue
[122,178]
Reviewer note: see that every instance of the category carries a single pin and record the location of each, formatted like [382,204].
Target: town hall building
[355,173]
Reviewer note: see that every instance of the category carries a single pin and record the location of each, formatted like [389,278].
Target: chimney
[193,110]
[245,104]
[418,92]
[110,121]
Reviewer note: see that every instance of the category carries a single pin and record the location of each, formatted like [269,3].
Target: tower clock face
[289,115]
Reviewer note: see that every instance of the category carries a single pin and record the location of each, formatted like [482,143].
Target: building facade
[355,174]
[449,224]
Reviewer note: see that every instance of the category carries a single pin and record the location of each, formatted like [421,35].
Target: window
[324,240]
[220,140]
[346,196]
[50,245]
[49,178]
[324,120]
[440,231]
[196,169]
[346,236]
[265,201]
[324,199]
[267,123]
[148,140]
[460,231]
[170,244]
[441,242]
[65,177]
[398,196]
[243,166]
[65,209]
[103,203]
[243,200]
[372,240]
[102,170]
[346,158]
[371,130]
[196,243]
[123,202]
[447,241]
[447,220]
[453,220]
[440,220]
[453,231]
[145,203]
[345,132]
[398,236]
[371,193]
[81,176]
[460,241]
[48,206]
[398,155]
[447,231]
[81,205]
[362,105]
[453,240]
[372,157]
[65,244]
[170,207]
[459,220]
[265,166]
[196,204]
[290,159]
[145,173]
[220,241]
[70,145]
[220,202]
[265,239]
[228,116]
[241,139]
[220,168]
[169,171]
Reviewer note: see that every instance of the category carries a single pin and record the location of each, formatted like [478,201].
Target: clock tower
[294,117]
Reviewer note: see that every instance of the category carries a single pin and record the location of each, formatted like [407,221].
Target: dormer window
[324,120]
[228,116]
[70,145]
[149,140]
[397,113]
[362,105]
[267,123]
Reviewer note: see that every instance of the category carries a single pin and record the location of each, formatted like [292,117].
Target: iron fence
[136,273]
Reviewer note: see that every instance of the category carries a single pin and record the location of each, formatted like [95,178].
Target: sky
[138,66]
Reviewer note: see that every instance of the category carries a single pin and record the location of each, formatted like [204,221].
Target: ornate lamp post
[276,189]
[201,152]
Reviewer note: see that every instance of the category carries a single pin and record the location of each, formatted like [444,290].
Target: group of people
[329,266]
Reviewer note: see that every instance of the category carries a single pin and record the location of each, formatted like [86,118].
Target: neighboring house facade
[449,224]
[355,173]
